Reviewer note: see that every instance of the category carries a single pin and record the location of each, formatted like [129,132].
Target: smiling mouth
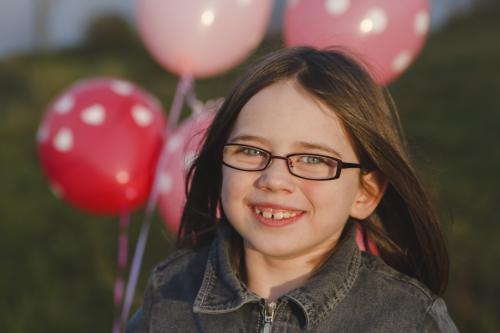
[276,217]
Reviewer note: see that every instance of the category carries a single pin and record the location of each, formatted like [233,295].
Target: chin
[278,249]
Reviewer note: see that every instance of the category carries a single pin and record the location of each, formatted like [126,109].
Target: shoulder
[377,272]
[406,298]
[175,280]
[182,265]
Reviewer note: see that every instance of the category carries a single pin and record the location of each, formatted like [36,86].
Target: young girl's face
[307,216]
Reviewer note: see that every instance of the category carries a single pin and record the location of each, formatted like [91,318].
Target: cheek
[225,190]
[233,189]
[330,198]
[318,196]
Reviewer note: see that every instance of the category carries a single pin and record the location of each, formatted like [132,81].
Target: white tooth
[267,215]
[278,216]
[286,215]
[258,211]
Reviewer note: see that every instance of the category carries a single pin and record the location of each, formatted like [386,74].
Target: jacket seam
[429,308]
[342,292]
[206,284]
[408,280]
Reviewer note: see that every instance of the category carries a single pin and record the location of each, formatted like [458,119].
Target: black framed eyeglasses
[302,165]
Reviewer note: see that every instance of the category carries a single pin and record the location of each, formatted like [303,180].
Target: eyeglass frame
[341,164]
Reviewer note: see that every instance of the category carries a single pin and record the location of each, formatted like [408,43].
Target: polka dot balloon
[385,35]
[181,150]
[98,144]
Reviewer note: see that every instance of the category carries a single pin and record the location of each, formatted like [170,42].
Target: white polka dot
[207,17]
[189,158]
[366,26]
[292,3]
[42,135]
[142,116]
[401,61]
[422,22]
[244,3]
[56,190]
[375,21]
[131,193]
[122,177]
[93,115]
[174,142]
[64,104]
[165,183]
[63,141]
[122,87]
[337,7]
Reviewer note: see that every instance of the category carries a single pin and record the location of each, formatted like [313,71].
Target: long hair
[404,226]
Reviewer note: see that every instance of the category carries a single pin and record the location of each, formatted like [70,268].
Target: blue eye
[251,151]
[311,159]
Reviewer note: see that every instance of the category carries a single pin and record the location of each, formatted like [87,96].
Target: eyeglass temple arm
[351,165]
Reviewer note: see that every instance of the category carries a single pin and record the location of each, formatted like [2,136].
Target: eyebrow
[300,144]
[318,146]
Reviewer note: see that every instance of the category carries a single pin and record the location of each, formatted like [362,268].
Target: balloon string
[121,265]
[183,87]
[194,103]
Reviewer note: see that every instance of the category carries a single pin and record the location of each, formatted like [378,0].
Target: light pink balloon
[182,147]
[387,35]
[202,37]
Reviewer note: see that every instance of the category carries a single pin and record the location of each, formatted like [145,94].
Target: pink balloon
[202,37]
[98,145]
[182,147]
[360,241]
[387,35]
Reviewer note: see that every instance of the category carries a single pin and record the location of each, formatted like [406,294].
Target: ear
[370,191]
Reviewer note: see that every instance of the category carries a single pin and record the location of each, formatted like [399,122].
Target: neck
[271,277]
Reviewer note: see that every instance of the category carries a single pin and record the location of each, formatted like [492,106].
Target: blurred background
[60,263]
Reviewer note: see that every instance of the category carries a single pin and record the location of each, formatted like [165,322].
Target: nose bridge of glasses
[277,177]
[286,159]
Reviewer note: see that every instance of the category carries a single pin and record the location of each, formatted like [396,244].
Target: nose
[276,177]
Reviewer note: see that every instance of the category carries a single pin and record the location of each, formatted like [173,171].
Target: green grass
[59,263]
[451,111]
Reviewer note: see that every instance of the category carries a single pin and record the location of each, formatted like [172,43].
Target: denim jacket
[353,291]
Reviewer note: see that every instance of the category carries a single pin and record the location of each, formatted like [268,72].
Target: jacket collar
[332,282]
[221,291]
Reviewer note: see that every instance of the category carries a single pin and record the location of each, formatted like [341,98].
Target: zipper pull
[268,316]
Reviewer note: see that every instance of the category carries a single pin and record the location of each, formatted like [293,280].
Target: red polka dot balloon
[182,148]
[385,34]
[98,144]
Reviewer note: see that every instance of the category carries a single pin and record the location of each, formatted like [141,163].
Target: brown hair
[404,225]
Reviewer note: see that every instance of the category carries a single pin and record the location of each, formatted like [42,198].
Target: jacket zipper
[268,316]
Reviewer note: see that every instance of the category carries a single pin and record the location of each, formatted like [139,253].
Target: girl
[305,150]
